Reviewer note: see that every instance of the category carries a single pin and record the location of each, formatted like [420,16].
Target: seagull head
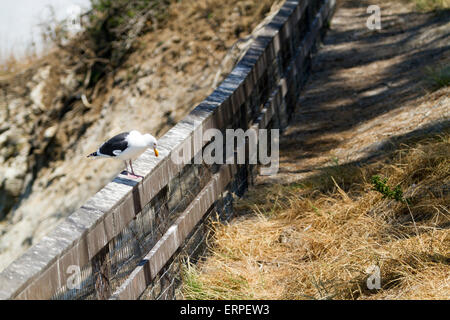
[151,142]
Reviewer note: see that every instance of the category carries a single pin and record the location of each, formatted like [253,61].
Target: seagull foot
[131,175]
[136,176]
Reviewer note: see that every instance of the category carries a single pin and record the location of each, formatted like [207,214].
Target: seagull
[126,146]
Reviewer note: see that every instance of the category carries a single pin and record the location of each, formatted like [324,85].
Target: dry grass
[317,238]
[426,5]
[11,64]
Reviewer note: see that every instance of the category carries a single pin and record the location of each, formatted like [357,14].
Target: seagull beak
[156,152]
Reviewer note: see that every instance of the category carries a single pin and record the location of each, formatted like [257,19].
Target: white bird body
[126,146]
[136,146]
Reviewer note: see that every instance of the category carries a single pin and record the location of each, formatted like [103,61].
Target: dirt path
[366,89]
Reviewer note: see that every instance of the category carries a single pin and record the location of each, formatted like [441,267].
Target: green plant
[438,77]
[380,185]
[432,5]
[335,161]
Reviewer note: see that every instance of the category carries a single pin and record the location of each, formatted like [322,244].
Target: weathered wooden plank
[152,263]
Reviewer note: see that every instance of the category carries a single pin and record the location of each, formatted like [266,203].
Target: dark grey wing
[117,142]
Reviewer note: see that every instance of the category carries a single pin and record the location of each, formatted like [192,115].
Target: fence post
[101,271]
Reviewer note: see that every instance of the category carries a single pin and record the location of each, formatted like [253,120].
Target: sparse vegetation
[438,77]
[380,185]
[10,63]
[317,238]
[431,5]
[112,30]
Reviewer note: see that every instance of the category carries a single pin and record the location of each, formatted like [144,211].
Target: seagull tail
[93,154]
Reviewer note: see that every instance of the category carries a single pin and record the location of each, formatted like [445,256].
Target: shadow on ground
[359,74]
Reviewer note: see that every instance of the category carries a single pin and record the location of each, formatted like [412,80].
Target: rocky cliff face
[33,105]
[49,122]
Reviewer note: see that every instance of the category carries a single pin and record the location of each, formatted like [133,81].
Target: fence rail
[125,242]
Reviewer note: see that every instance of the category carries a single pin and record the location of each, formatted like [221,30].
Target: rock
[37,94]
[3,139]
[70,81]
[11,184]
[50,132]
[13,180]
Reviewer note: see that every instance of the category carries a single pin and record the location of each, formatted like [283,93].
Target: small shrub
[111,32]
[380,185]
[438,77]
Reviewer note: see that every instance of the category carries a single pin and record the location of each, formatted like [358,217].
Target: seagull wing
[115,146]
[117,152]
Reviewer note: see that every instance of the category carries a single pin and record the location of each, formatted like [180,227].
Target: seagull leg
[131,166]
[132,171]
[126,168]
